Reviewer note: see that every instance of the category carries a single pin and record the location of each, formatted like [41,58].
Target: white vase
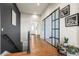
[65,44]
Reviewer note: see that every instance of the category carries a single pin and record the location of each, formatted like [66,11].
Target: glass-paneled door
[52,28]
[48,29]
[55,29]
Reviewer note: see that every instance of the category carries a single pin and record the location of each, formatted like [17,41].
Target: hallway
[38,48]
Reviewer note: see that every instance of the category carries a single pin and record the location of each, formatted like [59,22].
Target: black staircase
[7,41]
[11,45]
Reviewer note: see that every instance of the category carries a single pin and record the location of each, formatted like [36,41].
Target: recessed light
[34,16]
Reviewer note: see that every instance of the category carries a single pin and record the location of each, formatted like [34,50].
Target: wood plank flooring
[38,48]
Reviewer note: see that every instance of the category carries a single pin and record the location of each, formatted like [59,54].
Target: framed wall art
[72,20]
[13,17]
[65,11]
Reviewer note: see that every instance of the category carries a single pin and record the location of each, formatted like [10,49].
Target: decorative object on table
[66,41]
[73,51]
[72,20]
[65,11]
[62,50]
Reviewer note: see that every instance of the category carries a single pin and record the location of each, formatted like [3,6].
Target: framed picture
[65,11]
[13,17]
[72,20]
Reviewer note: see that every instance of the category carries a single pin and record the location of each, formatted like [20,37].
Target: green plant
[66,40]
[73,49]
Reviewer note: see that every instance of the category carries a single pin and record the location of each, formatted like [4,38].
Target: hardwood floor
[38,48]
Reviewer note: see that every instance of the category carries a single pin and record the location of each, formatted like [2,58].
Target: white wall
[70,32]
[28,23]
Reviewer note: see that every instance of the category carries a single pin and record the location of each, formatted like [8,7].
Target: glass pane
[48,29]
[57,14]
[57,42]
[57,25]
[53,33]
[43,29]
[53,42]
[57,33]
[53,24]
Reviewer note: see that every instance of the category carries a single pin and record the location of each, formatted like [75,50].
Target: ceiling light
[34,16]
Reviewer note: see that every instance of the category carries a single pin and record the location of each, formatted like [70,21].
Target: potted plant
[62,49]
[66,41]
[72,50]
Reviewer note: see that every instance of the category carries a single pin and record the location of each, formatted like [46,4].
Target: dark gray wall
[0,30]
[12,31]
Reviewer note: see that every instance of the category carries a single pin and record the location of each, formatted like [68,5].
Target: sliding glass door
[52,28]
[55,29]
[48,29]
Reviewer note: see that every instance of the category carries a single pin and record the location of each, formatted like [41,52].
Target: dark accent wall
[0,30]
[12,31]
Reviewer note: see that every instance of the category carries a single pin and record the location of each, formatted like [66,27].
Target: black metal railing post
[28,48]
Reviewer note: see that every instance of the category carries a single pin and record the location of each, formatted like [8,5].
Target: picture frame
[65,11]
[13,18]
[72,20]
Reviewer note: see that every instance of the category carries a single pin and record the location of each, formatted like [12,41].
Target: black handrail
[28,48]
[5,36]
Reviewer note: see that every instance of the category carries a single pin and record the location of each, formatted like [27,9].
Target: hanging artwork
[72,20]
[65,11]
[13,18]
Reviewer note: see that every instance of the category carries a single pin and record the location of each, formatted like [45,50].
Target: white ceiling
[32,8]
